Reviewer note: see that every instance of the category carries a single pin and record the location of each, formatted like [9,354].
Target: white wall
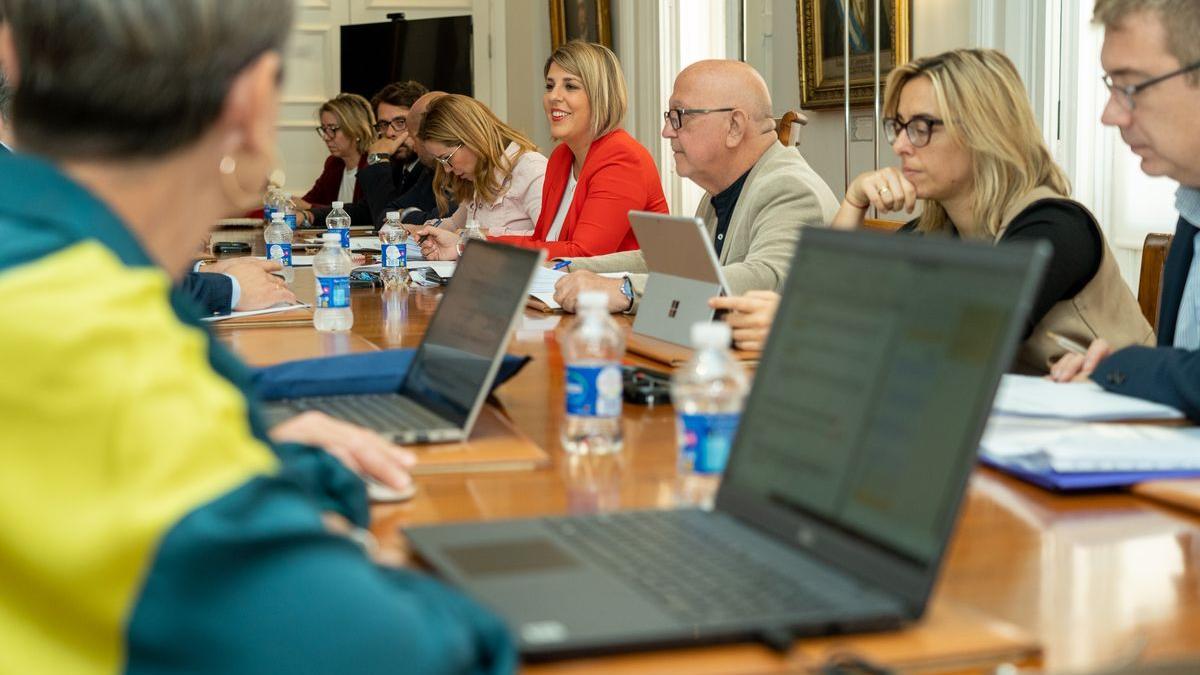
[771,46]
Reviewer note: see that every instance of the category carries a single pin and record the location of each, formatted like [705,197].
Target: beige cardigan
[781,193]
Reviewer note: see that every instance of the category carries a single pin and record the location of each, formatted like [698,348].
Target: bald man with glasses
[759,192]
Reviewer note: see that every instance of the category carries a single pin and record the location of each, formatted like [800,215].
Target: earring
[242,198]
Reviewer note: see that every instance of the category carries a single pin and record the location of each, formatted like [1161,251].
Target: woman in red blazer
[597,174]
[346,128]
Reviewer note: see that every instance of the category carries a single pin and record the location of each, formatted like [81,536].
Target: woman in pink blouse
[494,171]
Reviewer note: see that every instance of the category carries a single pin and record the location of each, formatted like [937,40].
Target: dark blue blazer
[1163,373]
[212,292]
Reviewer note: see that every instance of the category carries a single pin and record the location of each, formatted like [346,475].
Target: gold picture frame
[819,34]
[586,20]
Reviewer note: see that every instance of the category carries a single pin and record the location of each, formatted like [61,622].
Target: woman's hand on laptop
[749,316]
[361,450]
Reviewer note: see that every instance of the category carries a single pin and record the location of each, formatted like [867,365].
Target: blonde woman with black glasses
[347,128]
[961,124]
[493,171]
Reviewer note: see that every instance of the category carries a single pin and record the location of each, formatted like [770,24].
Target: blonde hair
[986,110]
[354,117]
[598,69]
[454,119]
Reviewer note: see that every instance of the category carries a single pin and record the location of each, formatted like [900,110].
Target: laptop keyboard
[376,411]
[695,576]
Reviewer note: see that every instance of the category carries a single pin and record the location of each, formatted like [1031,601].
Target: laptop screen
[881,363]
[470,328]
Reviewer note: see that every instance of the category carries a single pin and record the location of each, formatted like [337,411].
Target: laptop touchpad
[509,557]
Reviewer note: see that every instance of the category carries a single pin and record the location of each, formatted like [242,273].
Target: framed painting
[586,20]
[819,33]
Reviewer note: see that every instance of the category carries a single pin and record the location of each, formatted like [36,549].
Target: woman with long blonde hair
[492,170]
[969,148]
[596,175]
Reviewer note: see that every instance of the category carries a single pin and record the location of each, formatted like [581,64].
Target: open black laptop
[453,370]
[844,483]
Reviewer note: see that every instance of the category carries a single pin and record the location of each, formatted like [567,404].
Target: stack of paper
[1038,397]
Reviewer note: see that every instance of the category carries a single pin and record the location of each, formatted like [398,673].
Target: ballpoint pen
[1066,343]
[561,264]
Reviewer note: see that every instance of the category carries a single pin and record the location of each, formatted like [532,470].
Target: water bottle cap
[710,334]
[393,215]
[277,215]
[338,205]
[593,300]
[333,237]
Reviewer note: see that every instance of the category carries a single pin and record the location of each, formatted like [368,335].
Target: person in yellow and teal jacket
[149,522]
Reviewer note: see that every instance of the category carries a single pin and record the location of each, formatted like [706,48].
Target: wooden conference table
[1097,581]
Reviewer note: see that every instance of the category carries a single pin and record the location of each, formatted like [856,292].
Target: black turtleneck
[724,204]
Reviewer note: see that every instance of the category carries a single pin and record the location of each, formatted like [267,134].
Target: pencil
[1066,343]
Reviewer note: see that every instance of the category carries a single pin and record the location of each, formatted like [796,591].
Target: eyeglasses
[675,115]
[396,123]
[1124,93]
[327,131]
[445,161]
[918,129]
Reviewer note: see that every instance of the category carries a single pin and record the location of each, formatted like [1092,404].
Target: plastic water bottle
[288,206]
[278,237]
[271,201]
[707,393]
[471,231]
[393,254]
[338,221]
[331,268]
[592,353]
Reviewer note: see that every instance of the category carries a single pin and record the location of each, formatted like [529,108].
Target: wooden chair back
[882,225]
[784,126]
[1154,258]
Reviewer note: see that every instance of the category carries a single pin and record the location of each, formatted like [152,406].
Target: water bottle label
[707,439]
[333,292]
[344,233]
[290,219]
[281,253]
[594,391]
[267,211]
[395,255]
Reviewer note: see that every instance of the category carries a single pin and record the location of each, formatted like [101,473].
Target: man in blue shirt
[1151,58]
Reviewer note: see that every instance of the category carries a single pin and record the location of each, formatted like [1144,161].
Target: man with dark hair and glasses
[1151,60]
[759,192]
[394,174]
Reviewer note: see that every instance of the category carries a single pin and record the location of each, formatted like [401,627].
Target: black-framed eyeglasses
[327,131]
[445,160]
[396,123]
[675,115]
[1124,93]
[918,129]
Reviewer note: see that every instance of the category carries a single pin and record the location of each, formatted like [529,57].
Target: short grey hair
[1180,19]
[131,79]
[5,99]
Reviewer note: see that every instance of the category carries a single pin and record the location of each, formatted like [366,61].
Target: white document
[1089,447]
[275,309]
[1030,396]
[545,279]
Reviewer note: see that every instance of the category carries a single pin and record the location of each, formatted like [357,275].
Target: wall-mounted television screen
[434,52]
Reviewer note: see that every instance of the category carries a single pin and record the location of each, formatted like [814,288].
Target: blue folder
[367,373]
[1046,477]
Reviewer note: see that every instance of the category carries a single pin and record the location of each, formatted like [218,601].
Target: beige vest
[1104,308]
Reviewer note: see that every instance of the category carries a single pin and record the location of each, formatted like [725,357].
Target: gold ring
[885,190]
